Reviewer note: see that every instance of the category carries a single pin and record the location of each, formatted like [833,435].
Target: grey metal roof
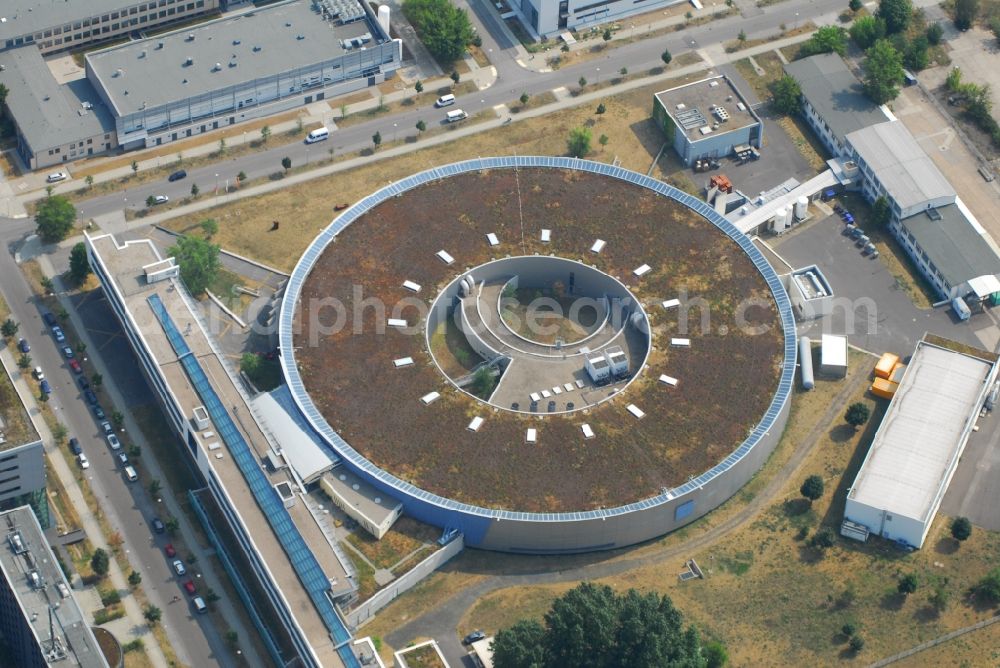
[74,641]
[261,43]
[953,244]
[30,16]
[904,170]
[302,447]
[835,93]
[49,113]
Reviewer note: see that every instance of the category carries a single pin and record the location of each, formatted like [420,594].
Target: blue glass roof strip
[301,557]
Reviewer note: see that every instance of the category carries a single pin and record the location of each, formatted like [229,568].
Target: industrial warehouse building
[916,449]
[707,119]
[160,89]
[53,26]
[833,100]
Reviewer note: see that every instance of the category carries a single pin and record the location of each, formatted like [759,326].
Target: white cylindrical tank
[383,18]
[801,207]
[780,220]
[806,363]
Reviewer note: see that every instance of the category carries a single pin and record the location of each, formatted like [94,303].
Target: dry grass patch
[406,536]
[244,225]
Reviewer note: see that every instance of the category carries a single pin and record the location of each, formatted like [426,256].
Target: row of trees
[593,626]
[976,103]
[443,28]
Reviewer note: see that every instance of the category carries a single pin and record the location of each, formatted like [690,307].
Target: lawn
[17,427]
[244,225]
[406,536]
[366,575]
[422,657]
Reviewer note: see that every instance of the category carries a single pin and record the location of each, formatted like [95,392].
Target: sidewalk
[169,502]
[133,625]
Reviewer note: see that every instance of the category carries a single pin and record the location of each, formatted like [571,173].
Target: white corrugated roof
[922,433]
[299,446]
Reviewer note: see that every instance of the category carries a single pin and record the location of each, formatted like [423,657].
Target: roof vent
[189,61]
[232,63]
[190,37]
[218,66]
[236,42]
[142,54]
[288,24]
[300,37]
[159,45]
[256,49]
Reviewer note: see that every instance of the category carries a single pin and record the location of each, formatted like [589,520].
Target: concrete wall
[365,611]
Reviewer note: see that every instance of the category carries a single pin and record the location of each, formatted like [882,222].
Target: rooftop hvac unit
[190,37]
[721,113]
[681,106]
[189,61]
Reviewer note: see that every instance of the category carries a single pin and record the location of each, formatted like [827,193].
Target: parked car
[99,412]
[177,176]
[74,446]
[83,461]
[89,395]
[106,426]
[169,550]
[37,373]
[50,319]
[199,605]
[114,442]
[189,588]
[56,177]
[75,366]
[58,333]
[22,345]
[178,567]
[160,199]
[123,459]
[158,525]
[475,636]
[67,352]
[45,387]
[83,383]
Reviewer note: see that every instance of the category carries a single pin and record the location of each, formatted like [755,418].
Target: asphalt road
[126,506]
[511,82]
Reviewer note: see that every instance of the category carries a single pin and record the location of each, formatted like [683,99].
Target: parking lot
[875,314]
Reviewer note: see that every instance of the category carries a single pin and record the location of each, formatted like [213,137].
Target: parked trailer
[806,363]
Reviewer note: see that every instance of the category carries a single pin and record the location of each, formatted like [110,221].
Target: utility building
[917,447]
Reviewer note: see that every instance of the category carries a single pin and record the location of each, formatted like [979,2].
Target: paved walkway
[133,625]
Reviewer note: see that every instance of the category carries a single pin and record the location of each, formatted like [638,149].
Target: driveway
[974,491]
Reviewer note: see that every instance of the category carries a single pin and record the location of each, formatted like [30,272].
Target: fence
[366,611]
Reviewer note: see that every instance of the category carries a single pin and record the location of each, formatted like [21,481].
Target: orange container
[885,365]
[884,388]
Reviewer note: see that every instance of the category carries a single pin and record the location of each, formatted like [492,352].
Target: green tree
[89,180]
[966,12]
[994,28]
[896,14]
[666,57]
[855,5]
[222,146]
[232,637]
[482,382]
[907,584]
[9,328]
[857,643]
[881,215]
[915,56]
[715,654]
[172,525]
[601,108]
[47,285]
[155,486]
[97,379]
[607,35]
[961,529]
[79,266]
[857,414]
[24,361]
[823,539]
[524,99]
[377,139]
[742,37]
[989,587]
[520,645]
[195,190]
[786,95]
[603,141]
[623,72]
[60,432]
[242,176]
[265,133]
[939,598]
[455,76]
[828,39]
[953,82]
[152,614]
[54,218]
[443,28]
[583,82]
[210,227]
[99,562]
[117,419]
[934,34]
[866,30]
[883,72]
[150,201]
[286,163]
[198,260]
[421,126]
[135,578]
[849,629]
[578,143]
[419,87]
[135,167]
[812,488]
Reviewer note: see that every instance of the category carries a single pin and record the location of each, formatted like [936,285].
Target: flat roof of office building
[954,244]
[75,644]
[224,52]
[923,432]
[835,93]
[23,17]
[691,107]
[124,264]
[900,164]
[48,113]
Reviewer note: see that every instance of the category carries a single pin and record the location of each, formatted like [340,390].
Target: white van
[319,134]
[455,116]
[445,100]
[131,474]
[199,605]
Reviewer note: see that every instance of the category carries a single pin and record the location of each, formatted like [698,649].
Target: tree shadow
[892,600]
[796,507]
[946,545]
[927,613]
[842,433]
[810,555]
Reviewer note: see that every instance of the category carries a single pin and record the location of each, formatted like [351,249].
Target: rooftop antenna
[520,210]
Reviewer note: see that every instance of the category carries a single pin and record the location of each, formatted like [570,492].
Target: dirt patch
[349,372]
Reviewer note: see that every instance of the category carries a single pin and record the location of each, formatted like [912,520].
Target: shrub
[961,529]
[812,488]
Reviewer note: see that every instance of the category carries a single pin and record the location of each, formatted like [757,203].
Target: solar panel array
[304,562]
[345,11]
[384,478]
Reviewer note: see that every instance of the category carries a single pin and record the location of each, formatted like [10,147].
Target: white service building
[918,445]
